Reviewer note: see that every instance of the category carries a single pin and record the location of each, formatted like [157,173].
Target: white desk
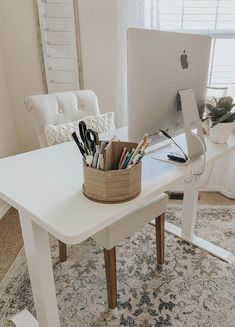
[46,187]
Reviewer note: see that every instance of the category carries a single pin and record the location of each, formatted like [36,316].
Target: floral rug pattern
[192,289]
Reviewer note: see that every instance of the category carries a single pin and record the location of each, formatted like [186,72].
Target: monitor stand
[192,124]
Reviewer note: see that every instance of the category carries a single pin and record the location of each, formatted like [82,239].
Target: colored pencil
[121,158]
[130,154]
[124,160]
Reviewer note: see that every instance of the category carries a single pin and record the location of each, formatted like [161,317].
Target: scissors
[88,136]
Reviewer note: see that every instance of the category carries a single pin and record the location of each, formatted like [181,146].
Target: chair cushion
[56,134]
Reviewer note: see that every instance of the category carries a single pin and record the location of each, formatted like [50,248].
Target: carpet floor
[192,289]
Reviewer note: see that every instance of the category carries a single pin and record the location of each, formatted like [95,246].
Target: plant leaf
[225,102]
[216,101]
[222,119]
[231,118]
[221,112]
[210,107]
[217,113]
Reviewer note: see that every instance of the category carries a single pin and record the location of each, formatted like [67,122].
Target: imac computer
[160,64]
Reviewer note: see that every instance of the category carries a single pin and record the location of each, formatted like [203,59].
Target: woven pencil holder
[112,185]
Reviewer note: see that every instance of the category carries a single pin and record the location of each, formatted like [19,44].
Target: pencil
[130,154]
[122,156]
[140,154]
[140,144]
[124,160]
[131,158]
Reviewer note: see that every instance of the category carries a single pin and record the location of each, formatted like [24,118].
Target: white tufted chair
[60,108]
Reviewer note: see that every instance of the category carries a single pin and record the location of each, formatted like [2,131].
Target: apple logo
[184,60]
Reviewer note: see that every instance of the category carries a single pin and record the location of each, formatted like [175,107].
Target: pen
[101,157]
[89,159]
[101,151]
[94,163]
[95,158]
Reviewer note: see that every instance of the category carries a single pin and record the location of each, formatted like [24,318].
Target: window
[211,17]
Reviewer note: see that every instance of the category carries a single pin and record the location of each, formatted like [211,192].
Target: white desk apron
[46,187]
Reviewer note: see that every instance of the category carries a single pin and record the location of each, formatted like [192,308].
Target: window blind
[212,17]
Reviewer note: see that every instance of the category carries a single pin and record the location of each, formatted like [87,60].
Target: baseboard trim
[4,207]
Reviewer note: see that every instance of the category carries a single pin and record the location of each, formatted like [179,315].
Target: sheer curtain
[131,13]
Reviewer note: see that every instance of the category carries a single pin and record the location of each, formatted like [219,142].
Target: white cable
[192,172]
[199,173]
[204,156]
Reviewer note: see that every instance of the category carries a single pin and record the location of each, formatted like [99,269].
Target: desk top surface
[47,185]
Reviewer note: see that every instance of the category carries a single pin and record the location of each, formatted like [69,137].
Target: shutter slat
[206,17]
[197,14]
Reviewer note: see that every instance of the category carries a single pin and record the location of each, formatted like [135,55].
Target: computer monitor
[160,64]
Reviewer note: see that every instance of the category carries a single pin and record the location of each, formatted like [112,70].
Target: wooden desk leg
[38,255]
[111,278]
[62,251]
[160,235]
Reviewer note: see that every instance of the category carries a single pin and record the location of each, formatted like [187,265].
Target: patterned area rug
[192,289]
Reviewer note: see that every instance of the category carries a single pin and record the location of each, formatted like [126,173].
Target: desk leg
[189,217]
[189,214]
[111,276]
[36,243]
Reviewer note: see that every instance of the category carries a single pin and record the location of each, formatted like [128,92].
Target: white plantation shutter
[208,15]
[59,44]
[212,17]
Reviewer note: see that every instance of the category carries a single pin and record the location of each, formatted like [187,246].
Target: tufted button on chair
[56,109]
[60,108]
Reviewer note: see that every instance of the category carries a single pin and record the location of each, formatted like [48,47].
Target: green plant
[221,111]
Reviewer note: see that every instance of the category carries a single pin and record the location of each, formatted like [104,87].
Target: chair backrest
[60,108]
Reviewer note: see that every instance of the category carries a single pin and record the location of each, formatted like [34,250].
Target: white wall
[98,28]
[22,63]
[98,25]
[8,140]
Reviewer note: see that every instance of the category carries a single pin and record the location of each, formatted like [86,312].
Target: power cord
[161,133]
[188,160]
